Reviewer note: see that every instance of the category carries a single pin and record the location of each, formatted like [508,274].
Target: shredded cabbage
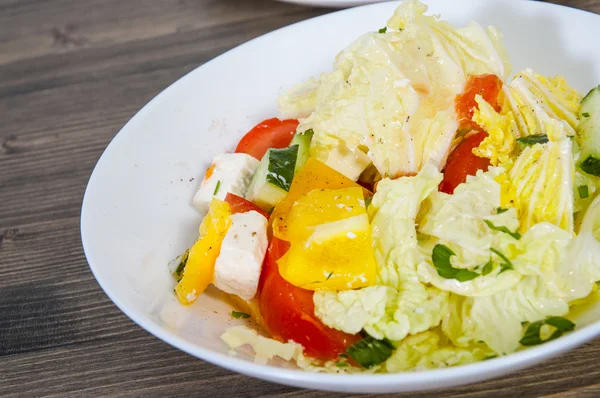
[392,95]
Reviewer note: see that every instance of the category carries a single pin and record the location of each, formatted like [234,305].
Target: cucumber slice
[589,132]
[272,179]
[303,141]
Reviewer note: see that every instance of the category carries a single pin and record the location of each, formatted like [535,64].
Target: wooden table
[72,73]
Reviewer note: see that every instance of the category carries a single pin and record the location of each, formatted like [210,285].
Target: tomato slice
[462,162]
[270,133]
[488,86]
[288,311]
[241,205]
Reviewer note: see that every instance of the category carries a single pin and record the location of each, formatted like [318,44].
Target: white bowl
[137,216]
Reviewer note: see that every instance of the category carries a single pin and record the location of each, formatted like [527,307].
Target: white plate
[136,213]
[332,3]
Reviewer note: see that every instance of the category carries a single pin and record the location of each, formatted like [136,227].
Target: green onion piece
[583,191]
[383,30]
[217,187]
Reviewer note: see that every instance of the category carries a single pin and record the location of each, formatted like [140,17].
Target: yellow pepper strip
[199,269]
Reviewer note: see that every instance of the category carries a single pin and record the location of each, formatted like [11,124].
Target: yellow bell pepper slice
[314,175]
[199,269]
[330,241]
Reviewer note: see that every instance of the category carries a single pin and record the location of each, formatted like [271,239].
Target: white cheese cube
[238,266]
[349,163]
[231,172]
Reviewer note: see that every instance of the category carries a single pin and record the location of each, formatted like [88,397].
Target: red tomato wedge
[241,205]
[462,162]
[270,133]
[488,86]
[288,311]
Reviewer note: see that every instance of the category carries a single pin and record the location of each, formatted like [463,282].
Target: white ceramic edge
[356,383]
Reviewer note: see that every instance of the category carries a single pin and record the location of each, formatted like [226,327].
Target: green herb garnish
[487,268]
[217,187]
[368,201]
[441,261]
[342,364]
[383,30]
[329,276]
[583,191]
[532,334]
[531,140]
[502,228]
[500,210]
[585,114]
[370,352]
[181,261]
[238,315]
[507,263]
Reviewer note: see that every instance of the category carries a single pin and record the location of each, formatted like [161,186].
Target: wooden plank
[65,26]
[135,363]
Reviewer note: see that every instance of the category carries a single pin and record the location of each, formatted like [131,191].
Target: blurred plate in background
[333,3]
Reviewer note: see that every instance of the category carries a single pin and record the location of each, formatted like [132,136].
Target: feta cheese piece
[349,163]
[229,172]
[238,266]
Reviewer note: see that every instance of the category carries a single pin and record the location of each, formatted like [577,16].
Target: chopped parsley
[441,261]
[507,263]
[217,187]
[329,276]
[238,315]
[533,139]
[370,352]
[487,268]
[181,262]
[500,210]
[585,114]
[342,364]
[502,228]
[583,191]
[383,30]
[532,334]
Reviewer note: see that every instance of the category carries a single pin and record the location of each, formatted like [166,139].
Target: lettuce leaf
[392,95]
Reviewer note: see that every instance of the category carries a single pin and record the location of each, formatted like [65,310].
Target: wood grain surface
[73,72]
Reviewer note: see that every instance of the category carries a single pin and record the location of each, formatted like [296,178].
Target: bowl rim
[412,380]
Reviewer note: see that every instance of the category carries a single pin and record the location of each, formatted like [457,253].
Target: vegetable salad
[416,207]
